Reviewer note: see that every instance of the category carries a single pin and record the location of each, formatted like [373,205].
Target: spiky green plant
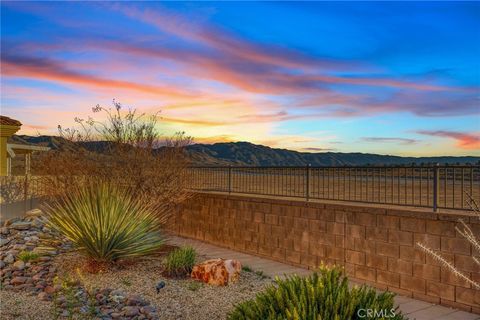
[321,296]
[105,222]
[180,261]
[27,256]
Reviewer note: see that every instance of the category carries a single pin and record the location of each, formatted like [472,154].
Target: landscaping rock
[9,259]
[135,300]
[130,311]
[45,250]
[37,276]
[44,296]
[20,235]
[10,221]
[18,280]
[4,242]
[21,225]
[33,213]
[218,272]
[19,265]
[49,289]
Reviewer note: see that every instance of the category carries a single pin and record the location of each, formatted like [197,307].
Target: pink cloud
[469,141]
[248,73]
[224,41]
[38,68]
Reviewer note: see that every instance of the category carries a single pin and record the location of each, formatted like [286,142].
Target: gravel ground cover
[52,283]
[180,298]
[21,305]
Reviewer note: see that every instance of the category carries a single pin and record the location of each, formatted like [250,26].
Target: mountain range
[249,154]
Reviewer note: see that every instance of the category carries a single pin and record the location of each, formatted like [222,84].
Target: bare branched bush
[473,239]
[12,188]
[125,148]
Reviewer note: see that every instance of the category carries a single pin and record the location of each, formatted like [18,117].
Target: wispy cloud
[211,52]
[389,140]
[464,140]
[39,68]
[318,92]
[224,81]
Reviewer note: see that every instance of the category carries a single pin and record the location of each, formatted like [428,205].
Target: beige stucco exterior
[6,131]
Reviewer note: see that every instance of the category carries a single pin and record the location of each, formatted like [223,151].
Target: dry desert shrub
[124,148]
[473,238]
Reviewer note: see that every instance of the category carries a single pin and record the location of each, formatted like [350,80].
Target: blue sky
[383,77]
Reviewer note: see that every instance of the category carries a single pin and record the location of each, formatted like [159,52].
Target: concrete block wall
[376,245]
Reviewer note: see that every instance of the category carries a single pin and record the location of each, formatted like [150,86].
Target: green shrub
[247,269]
[105,222]
[27,256]
[180,261]
[321,296]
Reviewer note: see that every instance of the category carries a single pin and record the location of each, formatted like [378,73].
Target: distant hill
[245,153]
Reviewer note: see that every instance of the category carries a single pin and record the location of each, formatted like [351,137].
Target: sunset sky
[389,78]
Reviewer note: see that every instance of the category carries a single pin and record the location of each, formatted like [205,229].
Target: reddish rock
[38,276]
[44,296]
[218,272]
[49,290]
[18,280]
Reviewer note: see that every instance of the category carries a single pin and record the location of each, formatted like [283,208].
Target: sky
[376,77]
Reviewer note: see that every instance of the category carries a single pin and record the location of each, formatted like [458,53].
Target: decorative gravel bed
[33,289]
[21,305]
[180,298]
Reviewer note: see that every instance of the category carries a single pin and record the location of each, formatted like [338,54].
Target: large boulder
[217,272]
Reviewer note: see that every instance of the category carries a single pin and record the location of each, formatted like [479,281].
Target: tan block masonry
[375,244]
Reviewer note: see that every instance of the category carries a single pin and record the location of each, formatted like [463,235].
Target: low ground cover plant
[323,295]
[180,262]
[27,256]
[105,223]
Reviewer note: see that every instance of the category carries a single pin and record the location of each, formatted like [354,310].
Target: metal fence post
[229,179]
[25,194]
[307,182]
[436,187]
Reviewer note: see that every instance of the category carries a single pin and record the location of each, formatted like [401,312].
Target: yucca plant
[322,296]
[180,262]
[105,222]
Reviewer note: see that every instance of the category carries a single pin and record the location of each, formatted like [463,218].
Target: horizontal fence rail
[437,187]
[446,187]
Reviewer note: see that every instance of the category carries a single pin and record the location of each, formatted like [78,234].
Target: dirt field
[403,186]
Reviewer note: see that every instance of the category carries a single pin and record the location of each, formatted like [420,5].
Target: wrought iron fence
[19,188]
[18,194]
[447,187]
